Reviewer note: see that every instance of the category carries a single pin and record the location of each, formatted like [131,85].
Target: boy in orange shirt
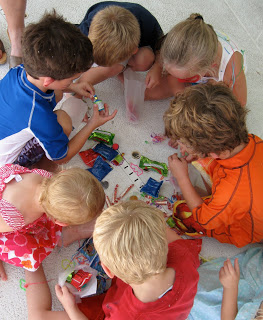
[208,121]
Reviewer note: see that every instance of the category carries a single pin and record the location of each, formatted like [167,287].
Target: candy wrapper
[107,152]
[100,168]
[102,136]
[88,253]
[90,286]
[148,164]
[152,187]
[89,156]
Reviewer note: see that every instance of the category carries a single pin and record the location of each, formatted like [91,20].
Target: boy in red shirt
[156,270]
[207,121]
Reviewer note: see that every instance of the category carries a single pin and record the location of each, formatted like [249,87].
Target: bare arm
[179,169]
[98,74]
[78,141]
[239,83]
[39,301]
[229,277]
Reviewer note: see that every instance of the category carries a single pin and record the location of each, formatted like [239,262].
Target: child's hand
[229,275]
[100,117]
[153,78]
[178,167]
[66,298]
[83,89]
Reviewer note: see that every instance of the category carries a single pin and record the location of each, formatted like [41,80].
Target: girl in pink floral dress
[34,206]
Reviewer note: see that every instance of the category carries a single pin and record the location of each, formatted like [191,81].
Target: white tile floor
[240,19]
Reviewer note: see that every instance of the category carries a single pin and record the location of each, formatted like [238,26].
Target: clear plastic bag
[134,88]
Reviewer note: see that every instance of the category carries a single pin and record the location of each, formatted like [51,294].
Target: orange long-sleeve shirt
[234,213]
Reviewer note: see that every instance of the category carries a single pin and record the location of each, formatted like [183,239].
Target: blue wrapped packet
[107,152]
[152,187]
[100,168]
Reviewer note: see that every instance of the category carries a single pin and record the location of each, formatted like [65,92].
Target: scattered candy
[148,164]
[133,198]
[152,187]
[100,168]
[115,146]
[107,152]
[102,136]
[125,192]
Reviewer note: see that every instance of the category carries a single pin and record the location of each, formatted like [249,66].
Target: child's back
[209,122]
[132,243]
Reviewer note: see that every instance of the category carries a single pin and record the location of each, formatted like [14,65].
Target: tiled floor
[240,19]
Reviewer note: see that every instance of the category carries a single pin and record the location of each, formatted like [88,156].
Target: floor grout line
[244,27]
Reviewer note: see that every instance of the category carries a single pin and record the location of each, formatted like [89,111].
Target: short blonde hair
[130,239]
[73,196]
[191,44]
[208,117]
[115,34]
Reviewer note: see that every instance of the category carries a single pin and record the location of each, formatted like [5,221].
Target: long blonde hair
[191,44]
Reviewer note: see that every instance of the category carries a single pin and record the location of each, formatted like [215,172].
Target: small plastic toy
[98,102]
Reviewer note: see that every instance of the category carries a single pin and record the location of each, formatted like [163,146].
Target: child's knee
[142,60]
[65,121]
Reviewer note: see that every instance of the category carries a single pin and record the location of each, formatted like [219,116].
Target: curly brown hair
[55,48]
[208,117]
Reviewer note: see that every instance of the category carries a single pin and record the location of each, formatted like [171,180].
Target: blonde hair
[73,196]
[130,239]
[115,34]
[208,117]
[191,44]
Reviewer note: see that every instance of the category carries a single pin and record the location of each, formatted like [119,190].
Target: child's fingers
[58,291]
[236,267]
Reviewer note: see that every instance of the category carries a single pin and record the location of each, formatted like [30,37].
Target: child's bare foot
[3,275]
[71,234]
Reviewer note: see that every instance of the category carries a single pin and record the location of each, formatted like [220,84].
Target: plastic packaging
[91,287]
[134,88]
[76,109]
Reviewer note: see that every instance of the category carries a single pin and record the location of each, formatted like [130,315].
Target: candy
[89,156]
[100,168]
[171,223]
[102,136]
[152,187]
[148,164]
[98,102]
[80,279]
[107,152]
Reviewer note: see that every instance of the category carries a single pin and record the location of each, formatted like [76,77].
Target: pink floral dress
[27,245]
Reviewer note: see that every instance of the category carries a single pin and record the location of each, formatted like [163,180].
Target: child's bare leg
[71,234]
[142,60]
[3,275]
[38,296]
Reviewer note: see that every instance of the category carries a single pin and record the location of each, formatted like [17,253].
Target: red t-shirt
[121,304]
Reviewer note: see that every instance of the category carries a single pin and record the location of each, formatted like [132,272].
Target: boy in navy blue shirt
[122,34]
